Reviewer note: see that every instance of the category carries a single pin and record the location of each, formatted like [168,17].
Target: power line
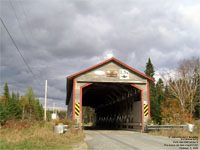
[25,37]
[28,24]
[15,13]
[29,68]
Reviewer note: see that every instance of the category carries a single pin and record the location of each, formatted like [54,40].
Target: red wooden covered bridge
[118,93]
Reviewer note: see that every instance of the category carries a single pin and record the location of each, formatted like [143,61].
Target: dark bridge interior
[116,105]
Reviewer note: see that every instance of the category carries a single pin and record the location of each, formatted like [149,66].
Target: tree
[14,107]
[6,93]
[149,69]
[155,108]
[18,97]
[158,99]
[30,96]
[3,100]
[34,109]
[167,93]
[160,91]
[184,84]
[3,113]
[38,110]
[49,115]
[24,103]
[170,112]
[197,99]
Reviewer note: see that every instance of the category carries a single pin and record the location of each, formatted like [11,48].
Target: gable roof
[71,77]
[111,59]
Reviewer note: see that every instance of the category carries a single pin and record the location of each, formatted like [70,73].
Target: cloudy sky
[58,38]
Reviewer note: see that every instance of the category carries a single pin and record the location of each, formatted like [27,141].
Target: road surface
[129,140]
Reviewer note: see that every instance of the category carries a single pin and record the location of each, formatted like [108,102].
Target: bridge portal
[118,93]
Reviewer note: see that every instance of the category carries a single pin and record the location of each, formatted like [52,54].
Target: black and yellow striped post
[146,110]
[77,108]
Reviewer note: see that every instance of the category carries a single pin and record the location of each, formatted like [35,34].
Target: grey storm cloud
[61,37]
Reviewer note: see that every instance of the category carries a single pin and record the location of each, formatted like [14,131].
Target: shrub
[69,122]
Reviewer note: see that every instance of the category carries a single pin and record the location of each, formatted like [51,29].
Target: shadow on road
[108,129]
[98,128]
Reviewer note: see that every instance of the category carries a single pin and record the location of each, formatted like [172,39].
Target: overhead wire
[12,39]
[28,24]
[19,23]
[15,44]
[28,43]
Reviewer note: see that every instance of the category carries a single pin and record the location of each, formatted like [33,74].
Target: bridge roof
[102,63]
[71,77]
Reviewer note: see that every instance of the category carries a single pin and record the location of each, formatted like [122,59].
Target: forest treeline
[175,98]
[15,107]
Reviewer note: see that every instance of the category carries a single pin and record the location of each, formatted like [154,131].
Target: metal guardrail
[165,127]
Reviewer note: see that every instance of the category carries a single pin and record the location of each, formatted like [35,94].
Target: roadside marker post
[77,109]
[146,110]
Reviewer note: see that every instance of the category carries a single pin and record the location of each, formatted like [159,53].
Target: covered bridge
[118,93]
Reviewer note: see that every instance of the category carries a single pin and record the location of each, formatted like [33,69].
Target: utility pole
[45,102]
[53,107]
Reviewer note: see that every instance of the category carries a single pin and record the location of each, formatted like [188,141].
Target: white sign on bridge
[123,74]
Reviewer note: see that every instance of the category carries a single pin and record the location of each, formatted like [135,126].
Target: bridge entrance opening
[117,105]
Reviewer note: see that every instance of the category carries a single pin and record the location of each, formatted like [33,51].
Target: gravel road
[129,140]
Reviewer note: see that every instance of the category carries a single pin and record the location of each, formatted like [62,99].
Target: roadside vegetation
[37,135]
[22,125]
[16,107]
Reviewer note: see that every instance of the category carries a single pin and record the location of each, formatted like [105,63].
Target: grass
[178,132]
[39,136]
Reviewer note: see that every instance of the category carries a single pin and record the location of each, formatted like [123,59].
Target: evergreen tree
[159,99]
[157,94]
[4,114]
[149,69]
[160,91]
[34,109]
[49,115]
[14,107]
[41,112]
[31,98]
[150,72]
[30,95]
[18,97]
[6,93]
[38,111]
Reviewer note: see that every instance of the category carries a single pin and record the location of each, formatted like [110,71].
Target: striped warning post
[145,109]
[77,109]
